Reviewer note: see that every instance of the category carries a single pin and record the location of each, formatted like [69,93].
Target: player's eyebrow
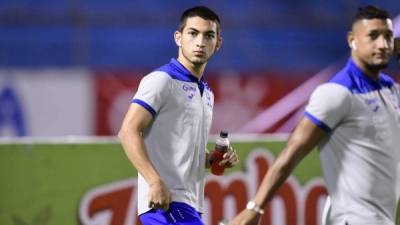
[193,29]
[207,32]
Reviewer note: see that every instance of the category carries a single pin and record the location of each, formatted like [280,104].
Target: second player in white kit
[355,121]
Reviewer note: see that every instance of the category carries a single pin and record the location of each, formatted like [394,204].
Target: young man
[355,120]
[165,131]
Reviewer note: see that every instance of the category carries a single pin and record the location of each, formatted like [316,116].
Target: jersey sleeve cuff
[145,105]
[318,122]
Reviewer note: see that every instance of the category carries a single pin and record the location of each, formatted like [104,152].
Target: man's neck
[370,72]
[195,70]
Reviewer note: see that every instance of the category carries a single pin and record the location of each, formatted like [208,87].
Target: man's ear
[351,41]
[178,38]
[219,44]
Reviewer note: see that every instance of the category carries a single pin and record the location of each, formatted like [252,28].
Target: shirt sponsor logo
[191,91]
[371,101]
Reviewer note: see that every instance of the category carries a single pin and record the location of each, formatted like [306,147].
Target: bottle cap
[223,134]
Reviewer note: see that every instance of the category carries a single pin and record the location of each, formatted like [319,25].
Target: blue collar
[185,72]
[178,72]
[375,84]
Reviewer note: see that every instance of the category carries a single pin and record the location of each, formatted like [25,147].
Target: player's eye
[374,35]
[210,36]
[388,36]
[192,33]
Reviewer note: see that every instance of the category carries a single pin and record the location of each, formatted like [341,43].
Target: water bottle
[221,147]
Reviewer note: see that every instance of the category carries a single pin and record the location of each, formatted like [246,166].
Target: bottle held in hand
[221,147]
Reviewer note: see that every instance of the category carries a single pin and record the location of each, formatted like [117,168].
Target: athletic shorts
[178,214]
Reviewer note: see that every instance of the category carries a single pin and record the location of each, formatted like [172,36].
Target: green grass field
[43,183]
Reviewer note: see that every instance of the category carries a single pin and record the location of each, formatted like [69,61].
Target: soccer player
[165,131]
[355,120]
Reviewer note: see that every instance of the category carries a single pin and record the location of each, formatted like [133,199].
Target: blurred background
[70,67]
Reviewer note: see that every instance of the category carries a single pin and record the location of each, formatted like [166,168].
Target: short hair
[200,11]
[370,12]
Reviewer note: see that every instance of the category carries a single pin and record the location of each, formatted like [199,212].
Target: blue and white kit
[360,156]
[176,140]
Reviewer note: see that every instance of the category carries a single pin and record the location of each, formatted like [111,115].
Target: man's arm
[303,139]
[130,134]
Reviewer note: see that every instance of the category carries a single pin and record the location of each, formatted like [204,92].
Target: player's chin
[199,61]
[380,66]
[381,63]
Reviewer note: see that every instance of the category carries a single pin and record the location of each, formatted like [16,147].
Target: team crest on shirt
[191,91]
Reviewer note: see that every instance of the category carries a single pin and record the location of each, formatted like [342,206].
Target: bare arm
[130,134]
[303,139]
[136,119]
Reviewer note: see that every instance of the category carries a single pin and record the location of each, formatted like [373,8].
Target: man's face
[198,40]
[373,39]
[397,49]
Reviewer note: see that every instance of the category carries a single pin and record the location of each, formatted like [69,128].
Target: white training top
[176,140]
[361,155]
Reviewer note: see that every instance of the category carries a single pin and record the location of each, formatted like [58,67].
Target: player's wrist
[156,181]
[253,206]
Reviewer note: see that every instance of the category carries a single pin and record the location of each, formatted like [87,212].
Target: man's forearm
[304,138]
[276,175]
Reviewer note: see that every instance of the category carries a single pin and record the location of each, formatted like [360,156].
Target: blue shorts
[178,213]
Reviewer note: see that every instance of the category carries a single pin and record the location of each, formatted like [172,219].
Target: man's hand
[230,158]
[159,196]
[246,217]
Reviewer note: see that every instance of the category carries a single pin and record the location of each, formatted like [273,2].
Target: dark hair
[370,12]
[200,11]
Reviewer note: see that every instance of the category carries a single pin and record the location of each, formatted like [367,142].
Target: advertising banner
[247,94]
[93,183]
[46,102]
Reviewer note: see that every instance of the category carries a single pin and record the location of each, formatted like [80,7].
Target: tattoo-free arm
[303,139]
[136,120]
